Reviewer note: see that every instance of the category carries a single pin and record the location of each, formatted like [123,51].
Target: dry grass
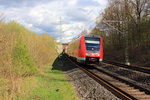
[42,54]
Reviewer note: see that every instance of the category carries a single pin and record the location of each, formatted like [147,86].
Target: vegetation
[48,85]
[125,29]
[22,57]
[23,63]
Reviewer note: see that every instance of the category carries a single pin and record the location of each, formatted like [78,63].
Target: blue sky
[43,16]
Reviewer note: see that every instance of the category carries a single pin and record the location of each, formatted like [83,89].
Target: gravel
[140,77]
[86,87]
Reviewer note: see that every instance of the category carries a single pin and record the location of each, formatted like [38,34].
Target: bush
[22,60]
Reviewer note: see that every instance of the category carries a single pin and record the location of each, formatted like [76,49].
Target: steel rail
[139,86]
[118,92]
[137,68]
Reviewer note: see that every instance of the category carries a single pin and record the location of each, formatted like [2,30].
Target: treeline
[125,27]
[22,54]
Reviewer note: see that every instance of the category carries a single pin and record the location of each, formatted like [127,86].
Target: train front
[94,49]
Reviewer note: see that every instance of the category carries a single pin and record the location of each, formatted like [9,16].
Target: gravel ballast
[86,87]
[140,77]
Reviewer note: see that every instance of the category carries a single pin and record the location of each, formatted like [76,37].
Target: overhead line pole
[126,37]
[60,27]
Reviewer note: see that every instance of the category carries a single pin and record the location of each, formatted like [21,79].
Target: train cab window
[92,44]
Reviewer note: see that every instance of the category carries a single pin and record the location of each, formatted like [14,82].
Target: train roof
[89,35]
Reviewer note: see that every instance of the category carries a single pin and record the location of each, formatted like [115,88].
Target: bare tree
[129,17]
[139,6]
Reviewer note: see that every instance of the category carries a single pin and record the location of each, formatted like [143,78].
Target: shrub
[22,60]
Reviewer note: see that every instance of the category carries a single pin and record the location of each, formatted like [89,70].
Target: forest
[125,28]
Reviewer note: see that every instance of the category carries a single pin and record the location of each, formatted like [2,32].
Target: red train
[86,48]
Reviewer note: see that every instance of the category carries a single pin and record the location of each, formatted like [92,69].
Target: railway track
[117,85]
[132,67]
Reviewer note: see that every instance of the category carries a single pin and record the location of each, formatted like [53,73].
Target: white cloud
[44,16]
[65,39]
[72,2]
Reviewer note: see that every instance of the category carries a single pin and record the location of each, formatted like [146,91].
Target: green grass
[50,85]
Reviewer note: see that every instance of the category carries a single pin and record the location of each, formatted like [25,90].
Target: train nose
[93,54]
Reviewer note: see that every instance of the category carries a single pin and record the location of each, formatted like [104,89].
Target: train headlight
[97,54]
[87,54]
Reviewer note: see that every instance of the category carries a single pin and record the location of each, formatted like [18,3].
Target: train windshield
[92,44]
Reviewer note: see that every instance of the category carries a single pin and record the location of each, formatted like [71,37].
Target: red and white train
[86,48]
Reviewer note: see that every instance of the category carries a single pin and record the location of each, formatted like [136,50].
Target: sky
[62,19]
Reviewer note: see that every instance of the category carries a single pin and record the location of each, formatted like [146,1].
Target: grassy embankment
[25,66]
